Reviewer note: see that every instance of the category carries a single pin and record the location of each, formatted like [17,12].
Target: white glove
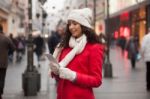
[54,68]
[66,73]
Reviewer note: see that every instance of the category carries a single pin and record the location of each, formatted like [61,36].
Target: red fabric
[88,66]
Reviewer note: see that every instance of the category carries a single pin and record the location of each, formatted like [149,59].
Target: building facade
[4,13]
[12,16]
[132,18]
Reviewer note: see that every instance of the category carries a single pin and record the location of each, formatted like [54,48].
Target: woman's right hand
[54,68]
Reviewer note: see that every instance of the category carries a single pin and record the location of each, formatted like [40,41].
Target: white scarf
[78,46]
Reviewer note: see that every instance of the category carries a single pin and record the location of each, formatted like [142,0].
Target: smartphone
[52,59]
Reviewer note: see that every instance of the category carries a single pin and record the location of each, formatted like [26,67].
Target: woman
[80,58]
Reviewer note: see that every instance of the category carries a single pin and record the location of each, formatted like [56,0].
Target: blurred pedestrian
[80,57]
[5,45]
[145,52]
[11,51]
[53,40]
[132,49]
[122,43]
[20,48]
[39,47]
[61,32]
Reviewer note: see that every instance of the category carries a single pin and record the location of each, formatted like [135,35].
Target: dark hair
[90,34]
[1,28]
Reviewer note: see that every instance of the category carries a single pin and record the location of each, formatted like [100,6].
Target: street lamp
[107,65]
[31,77]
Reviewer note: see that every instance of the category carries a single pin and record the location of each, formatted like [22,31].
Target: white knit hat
[82,16]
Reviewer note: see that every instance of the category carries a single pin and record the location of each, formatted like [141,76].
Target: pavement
[126,83]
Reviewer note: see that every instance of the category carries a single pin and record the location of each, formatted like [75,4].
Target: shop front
[3,20]
[132,21]
[139,23]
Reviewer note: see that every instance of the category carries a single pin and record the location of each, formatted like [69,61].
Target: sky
[53,5]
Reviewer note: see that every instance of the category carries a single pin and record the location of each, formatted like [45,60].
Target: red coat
[88,66]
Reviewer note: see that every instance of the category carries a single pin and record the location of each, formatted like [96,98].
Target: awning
[131,8]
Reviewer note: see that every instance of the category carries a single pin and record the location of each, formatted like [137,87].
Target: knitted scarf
[78,46]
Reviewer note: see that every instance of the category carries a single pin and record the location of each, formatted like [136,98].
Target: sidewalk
[13,84]
[125,84]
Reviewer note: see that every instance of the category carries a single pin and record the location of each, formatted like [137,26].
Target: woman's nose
[71,26]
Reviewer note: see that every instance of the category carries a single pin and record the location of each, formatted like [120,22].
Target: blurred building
[59,18]
[100,16]
[129,17]
[37,15]
[16,17]
[4,13]
[12,16]
[38,22]
[126,17]
[57,14]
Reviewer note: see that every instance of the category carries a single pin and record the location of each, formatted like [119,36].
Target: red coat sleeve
[94,77]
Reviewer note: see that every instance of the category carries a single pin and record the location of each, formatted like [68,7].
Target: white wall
[13,24]
[36,22]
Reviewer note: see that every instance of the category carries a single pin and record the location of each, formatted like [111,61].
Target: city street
[127,83]
[77,24]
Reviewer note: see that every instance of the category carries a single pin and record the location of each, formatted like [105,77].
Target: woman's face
[75,28]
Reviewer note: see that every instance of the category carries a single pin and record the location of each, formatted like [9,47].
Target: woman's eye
[74,23]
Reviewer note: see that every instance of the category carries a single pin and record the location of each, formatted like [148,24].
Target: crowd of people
[20,44]
[131,46]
